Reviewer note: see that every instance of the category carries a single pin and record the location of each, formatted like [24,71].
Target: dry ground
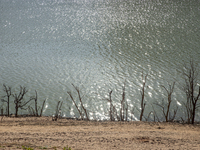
[43,133]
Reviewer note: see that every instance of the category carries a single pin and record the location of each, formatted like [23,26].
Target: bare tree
[112,110]
[7,89]
[35,98]
[70,94]
[35,112]
[123,110]
[58,111]
[169,100]
[124,106]
[1,108]
[19,100]
[42,107]
[143,104]
[80,99]
[191,76]
[155,115]
[36,108]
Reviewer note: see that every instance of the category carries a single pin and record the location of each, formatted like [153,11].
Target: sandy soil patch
[43,133]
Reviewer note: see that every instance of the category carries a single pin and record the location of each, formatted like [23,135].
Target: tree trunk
[193,113]
[8,107]
[16,110]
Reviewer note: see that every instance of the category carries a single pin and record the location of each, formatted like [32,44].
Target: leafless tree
[112,110]
[35,111]
[155,115]
[191,89]
[169,100]
[7,89]
[72,98]
[143,104]
[19,100]
[42,107]
[35,98]
[80,99]
[58,111]
[124,106]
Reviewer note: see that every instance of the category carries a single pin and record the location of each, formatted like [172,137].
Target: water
[98,46]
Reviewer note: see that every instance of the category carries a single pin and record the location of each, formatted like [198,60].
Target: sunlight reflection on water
[97,46]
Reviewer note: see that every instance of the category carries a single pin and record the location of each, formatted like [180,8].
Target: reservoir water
[46,45]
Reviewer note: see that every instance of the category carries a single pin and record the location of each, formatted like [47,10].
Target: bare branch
[19,99]
[69,93]
[190,74]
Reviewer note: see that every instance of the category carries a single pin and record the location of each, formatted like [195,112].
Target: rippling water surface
[98,46]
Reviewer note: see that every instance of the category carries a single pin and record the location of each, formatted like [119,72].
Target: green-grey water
[97,46]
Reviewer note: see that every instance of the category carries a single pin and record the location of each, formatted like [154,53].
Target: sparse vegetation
[42,147]
[67,148]
[191,88]
[27,148]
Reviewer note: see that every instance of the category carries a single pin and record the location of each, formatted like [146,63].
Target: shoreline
[43,133]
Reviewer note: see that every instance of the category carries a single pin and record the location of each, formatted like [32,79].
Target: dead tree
[169,100]
[42,107]
[1,108]
[72,98]
[143,104]
[80,99]
[35,112]
[112,108]
[155,115]
[58,111]
[7,89]
[19,100]
[124,106]
[191,75]
[36,108]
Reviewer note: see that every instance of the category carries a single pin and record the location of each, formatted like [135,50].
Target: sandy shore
[43,133]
